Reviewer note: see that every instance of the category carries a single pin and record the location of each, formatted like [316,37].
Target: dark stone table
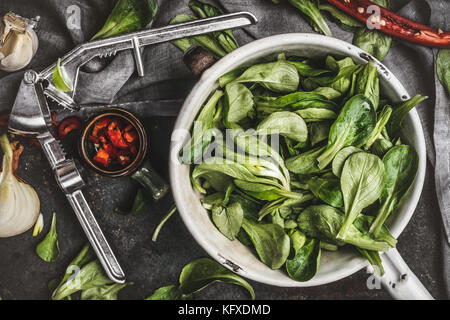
[23,275]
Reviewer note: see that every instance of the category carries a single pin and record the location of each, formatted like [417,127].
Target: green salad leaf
[279,76]
[339,161]
[89,276]
[206,41]
[362,181]
[48,249]
[128,16]
[374,42]
[399,112]
[401,164]
[443,67]
[203,272]
[61,79]
[106,292]
[228,219]
[204,9]
[170,292]
[305,264]
[353,127]
[270,241]
[309,8]
[285,123]
[140,204]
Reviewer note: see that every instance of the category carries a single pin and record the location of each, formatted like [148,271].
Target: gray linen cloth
[65,23]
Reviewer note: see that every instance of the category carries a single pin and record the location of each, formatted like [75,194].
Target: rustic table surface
[23,275]
[151,265]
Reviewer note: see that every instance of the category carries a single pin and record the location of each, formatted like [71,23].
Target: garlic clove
[18,42]
[17,51]
[15,23]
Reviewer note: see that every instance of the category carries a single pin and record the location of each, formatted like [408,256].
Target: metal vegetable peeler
[30,115]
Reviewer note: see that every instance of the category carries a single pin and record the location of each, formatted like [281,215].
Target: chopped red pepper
[123,156]
[94,139]
[130,137]
[68,125]
[133,150]
[128,128]
[115,135]
[115,142]
[394,24]
[100,124]
[109,148]
[102,158]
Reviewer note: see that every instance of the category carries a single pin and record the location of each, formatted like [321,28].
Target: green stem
[172,210]
[6,147]
[308,8]
[374,258]
[328,155]
[344,229]
[382,215]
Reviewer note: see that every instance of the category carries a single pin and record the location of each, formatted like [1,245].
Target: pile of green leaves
[298,155]
[217,43]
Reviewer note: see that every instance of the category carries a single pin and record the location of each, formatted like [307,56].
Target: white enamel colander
[398,279]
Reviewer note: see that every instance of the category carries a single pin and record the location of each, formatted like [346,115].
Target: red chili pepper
[102,158]
[115,135]
[68,125]
[394,24]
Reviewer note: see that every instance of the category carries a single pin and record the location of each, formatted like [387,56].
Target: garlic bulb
[18,42]
[19,202]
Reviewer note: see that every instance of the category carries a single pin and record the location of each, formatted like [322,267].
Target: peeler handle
[95,236]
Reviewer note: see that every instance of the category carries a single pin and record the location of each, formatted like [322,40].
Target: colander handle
[399,280]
